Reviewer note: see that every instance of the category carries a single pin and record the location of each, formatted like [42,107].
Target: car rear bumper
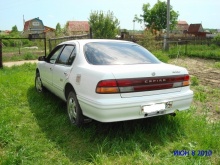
[132,108]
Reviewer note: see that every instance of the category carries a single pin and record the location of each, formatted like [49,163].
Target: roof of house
[194,28]
[182,23]
[27,23]
[47,29]
[76,26]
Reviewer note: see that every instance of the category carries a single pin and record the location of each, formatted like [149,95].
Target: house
[182,26]
[35,26]
[78,27]
[196,30]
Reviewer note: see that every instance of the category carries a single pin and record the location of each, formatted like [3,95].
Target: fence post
[1,65]
[186,47]
[90,33]
[50,46]
[45,44]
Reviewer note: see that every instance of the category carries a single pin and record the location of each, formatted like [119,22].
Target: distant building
[78,27]
[5,32]
[182,26]
[35,26]
[196,30]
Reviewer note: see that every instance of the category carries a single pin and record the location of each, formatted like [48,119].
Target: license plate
[155,108]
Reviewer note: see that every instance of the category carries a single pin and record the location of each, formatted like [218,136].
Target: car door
[62,68]
[47,67]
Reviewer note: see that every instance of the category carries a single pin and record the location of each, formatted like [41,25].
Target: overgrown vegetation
[34,129]
[19,54]
[191,50]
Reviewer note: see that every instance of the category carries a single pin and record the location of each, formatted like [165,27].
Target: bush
[29,56]
[216,40]
[148,41]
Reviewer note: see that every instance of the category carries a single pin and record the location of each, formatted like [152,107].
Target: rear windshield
[116,53]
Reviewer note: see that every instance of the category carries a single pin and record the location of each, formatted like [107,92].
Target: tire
[74,111]
[38,84]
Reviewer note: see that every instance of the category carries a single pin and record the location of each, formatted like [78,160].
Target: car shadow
[82,144]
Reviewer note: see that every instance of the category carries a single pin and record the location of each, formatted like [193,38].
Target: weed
[29,56]
[194,81]
[200,96]
[217,65]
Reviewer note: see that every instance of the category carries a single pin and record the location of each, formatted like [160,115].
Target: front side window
[67,55]
[116,53]
[55,53]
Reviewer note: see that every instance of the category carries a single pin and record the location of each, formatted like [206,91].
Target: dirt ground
[10,64]
[201,68]
[209,78]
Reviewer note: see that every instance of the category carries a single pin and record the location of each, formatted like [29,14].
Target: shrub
[148,41]
[29,56]
[216,40]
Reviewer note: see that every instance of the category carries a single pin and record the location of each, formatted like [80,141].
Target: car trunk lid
[149,79]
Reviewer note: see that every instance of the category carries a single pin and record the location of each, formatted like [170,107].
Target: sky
[52,12]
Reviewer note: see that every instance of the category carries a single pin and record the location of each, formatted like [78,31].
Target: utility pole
[167,36]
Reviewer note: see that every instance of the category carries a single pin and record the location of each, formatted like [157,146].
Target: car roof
[84,41]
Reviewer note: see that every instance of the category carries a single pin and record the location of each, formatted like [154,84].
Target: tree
[14,29]
[66,30]
[58,30]
[14,32]
[156,17]
[103,25]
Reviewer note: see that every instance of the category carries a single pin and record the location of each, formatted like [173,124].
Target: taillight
[107,86]
[186,81]
[141,84]
[181,81]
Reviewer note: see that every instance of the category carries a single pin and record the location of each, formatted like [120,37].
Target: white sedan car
[112,80]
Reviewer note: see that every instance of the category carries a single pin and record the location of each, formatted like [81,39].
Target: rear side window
[116,53]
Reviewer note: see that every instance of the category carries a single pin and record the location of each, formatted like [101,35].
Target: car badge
[153,73]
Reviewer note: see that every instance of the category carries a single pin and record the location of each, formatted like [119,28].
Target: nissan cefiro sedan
[112,80]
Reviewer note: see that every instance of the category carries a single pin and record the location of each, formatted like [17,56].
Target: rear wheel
[38,83]
[74,111]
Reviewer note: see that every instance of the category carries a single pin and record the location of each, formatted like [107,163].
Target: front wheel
[74,111]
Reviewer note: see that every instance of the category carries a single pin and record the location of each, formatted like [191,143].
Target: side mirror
[41,58]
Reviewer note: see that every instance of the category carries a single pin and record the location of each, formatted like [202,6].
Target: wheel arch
[68,88]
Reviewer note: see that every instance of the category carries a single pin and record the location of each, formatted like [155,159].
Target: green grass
[217,65]
[16,54]
[34,129]
[200,51]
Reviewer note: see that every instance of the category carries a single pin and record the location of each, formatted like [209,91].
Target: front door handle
[65,73]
